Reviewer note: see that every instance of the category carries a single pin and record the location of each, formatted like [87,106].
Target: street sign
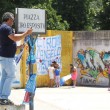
[26,18]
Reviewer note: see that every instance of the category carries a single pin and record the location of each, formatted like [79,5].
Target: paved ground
[67,98]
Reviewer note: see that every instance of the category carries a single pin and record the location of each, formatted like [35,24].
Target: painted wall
[91,55]
[89,51]
[66,58]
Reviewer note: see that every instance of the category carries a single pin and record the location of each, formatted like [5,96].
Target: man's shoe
[6,102]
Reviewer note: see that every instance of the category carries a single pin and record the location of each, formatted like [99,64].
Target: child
[51,75]
[55,64]
[57,77]
[73,72]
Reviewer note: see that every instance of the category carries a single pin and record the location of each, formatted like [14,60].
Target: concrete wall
[12,107]
[90,53]
[91,56]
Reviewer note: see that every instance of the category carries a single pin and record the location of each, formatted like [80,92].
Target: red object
[40,61]
[27,97]
[74,75]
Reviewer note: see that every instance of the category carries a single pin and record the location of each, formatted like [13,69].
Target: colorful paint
[93,66]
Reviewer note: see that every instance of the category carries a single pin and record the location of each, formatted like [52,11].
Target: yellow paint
[105,74]
[66,57]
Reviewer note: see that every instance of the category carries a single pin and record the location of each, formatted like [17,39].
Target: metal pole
[31,104]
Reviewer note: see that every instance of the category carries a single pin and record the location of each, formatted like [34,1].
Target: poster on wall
[48,49]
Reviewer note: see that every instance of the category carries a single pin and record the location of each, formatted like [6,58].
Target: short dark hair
[7,15]
[54,62]
[71,64]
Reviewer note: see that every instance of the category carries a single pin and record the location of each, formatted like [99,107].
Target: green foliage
[54,21]
[80,14]
[10,5]
[67,14]
[5,6]
[72,11]
[95,8]
[104,16]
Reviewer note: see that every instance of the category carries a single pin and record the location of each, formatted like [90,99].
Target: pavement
[66,98]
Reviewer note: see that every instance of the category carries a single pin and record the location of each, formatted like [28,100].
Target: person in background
[7,53]
[73,72]
[55,64]
[51,75]
[57,77]
[109,77]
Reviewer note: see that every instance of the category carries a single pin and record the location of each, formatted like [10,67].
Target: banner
[48,49]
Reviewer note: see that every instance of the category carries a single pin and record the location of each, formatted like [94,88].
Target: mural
[48,49]
[93,66]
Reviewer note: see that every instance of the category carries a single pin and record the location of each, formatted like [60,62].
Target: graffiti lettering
[93,65]
[88,81]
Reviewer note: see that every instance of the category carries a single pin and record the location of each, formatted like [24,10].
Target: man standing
[7,53]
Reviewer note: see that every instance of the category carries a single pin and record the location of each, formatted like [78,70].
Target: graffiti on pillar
[93,65]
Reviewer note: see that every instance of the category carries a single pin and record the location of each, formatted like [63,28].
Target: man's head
[8,17]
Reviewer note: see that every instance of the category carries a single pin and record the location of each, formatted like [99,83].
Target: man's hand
[18,37]
[29,31]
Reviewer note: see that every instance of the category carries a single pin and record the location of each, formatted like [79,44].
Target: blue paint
[48,49]
[48,43]
[106,56]
[39,45]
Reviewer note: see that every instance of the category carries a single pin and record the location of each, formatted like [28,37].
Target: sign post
[30,18]
[35,19]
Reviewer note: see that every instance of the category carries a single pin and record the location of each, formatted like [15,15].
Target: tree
[54,21]
[104,16]
[80,14]
[95,7]
[66,14]
[10,5]
[72,11]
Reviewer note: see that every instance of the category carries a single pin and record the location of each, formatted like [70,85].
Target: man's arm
[18,37]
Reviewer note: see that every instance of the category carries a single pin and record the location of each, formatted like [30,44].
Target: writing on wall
[48,49]
[93,65]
